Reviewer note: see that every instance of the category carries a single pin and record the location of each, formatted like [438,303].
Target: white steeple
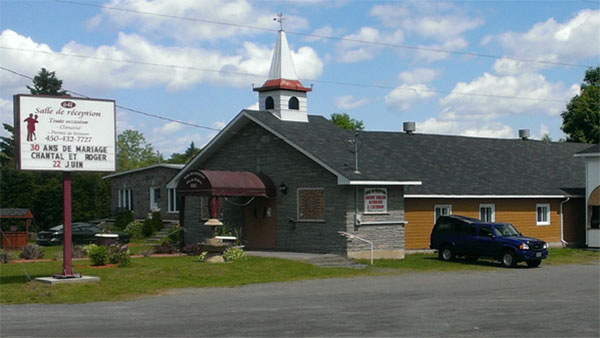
[282,66]
[282,94]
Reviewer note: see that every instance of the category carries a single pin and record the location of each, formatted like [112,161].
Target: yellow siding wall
[520,212]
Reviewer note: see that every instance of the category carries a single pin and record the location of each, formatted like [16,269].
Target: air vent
[524,134]
[409,127]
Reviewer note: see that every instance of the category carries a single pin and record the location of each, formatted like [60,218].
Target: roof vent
[409,127]
[524,134]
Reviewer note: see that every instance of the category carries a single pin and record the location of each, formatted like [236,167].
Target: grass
[150,276]
[153,275]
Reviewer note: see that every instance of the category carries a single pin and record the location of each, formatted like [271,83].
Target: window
[375,201]
[154,198]
[311,205]
[485,232]
[442,210]
[487,212]
[542,214]
[293,103]
[125,199]
[595,217]
[172,200]
[269,103]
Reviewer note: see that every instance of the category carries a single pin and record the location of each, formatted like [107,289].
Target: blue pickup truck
[455,235]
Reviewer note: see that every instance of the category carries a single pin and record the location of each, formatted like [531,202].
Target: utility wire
[125,108]
[264,76]
[383,44]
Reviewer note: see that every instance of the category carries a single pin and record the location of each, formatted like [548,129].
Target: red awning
[226,183]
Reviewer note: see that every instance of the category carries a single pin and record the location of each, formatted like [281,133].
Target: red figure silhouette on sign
[31,127]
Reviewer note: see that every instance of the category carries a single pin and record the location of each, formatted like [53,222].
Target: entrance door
[259,224]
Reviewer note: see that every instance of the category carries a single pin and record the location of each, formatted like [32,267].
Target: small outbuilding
[15,235]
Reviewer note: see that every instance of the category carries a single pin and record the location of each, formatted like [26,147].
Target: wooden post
[67,238]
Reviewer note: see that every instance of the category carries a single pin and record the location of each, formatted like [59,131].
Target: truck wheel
[509,259]
[446,253]
[534,263]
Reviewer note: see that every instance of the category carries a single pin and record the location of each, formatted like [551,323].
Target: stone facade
[255,149]
[140,181]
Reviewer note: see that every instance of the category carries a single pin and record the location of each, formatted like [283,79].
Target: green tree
[344,121]
[7,147]
[133,151]
[187,155]
[46,83]
[581,120]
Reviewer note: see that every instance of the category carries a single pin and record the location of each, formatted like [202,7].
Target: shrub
[173,235]
[234,254]
[32,251]
[122,218]
[119,255]
[98,254]
[5,256]
[148,228]
[135,229]
[165,248]
[193,249]
[147,252]
[157,220]
[202,256]
[78,252]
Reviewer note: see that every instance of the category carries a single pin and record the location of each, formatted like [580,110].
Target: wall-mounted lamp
[283,189]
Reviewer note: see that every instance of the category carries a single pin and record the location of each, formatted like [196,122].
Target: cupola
[282,94]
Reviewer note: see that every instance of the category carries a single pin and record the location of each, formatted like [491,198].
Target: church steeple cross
[280,19]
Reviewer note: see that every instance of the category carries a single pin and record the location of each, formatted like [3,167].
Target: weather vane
[280,19]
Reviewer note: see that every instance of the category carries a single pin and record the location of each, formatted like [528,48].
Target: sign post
[66,134]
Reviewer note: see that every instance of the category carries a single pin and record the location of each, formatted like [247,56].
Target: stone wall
[386,231]
[255,149]
[140,182]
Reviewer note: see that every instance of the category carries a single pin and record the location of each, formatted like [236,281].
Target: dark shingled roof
[447,165]
[595,149]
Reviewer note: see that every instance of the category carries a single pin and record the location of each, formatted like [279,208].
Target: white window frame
[382,211]
[124,199]
[172,207]
[493,213]
[153,206]
[537,214]
[298,206]
[441,206]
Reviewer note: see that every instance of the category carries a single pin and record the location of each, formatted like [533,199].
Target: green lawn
[153,275]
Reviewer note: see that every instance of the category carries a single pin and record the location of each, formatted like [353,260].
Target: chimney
[409,127]
[524,134]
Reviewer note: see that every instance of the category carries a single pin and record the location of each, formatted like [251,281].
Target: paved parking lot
[560,301]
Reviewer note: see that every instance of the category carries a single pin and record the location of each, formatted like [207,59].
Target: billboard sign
[64,133]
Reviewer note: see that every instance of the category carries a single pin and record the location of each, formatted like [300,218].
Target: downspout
[355,208]
[562,230]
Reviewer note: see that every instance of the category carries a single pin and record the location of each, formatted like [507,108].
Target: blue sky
[382,85]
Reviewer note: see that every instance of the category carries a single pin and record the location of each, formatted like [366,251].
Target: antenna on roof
[354,142]
[280,19]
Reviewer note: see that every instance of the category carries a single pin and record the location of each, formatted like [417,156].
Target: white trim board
[487,196]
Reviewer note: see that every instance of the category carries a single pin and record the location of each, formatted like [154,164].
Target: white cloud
[350,51]
[168,128]
[526,85]
[6,114]
[575,39]
[403,97]
[348,102]
[439,21]
[253,106]
[83,74]
[203,18]
[430,53]
[465,128]
[418,75]
[220,124]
